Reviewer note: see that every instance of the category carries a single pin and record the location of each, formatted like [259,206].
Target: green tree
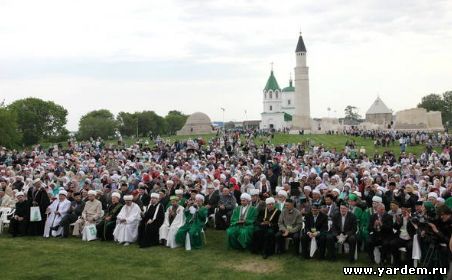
[150,122]
[436,102]
[39,120]
[10,136]
[351,115]
[99,123]
[447,114]
[175,120]
[127,123]
[432,102]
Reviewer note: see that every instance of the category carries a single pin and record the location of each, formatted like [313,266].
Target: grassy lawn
[39,258]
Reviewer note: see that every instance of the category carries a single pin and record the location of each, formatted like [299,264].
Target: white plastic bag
[187,242]
[313,247]
[89,232]
[35,214]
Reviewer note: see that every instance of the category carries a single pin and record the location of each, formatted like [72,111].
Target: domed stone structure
[196,124]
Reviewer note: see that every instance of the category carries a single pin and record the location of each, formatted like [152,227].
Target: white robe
[168,231]
[53,219]
[128,231]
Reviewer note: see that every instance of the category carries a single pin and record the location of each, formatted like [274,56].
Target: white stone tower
[302,118]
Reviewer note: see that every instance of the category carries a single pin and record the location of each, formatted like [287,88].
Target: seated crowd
[268,199]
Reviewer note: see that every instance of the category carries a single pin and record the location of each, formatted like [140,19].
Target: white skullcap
[316,191]
[308,188]
[440,200]
[37,180]
[116,194]
[63,192]
[336,190]
[155,195]
[254,192]
[19,194]
[179,191]
[358,193]
[199,196]
[270,200]
[170,182]
[282,193]
[432,194]
[128,197]
[377,199]
[245,196]
[91,192]
[210,186]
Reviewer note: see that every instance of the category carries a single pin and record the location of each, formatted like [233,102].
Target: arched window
[276,94]
[265,95]
[288,102]
[271,107]
[271,95]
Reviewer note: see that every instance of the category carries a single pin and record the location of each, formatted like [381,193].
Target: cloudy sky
[201,55]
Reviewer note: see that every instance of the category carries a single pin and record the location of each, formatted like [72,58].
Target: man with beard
[56,211]
[106,227]
[75,211]
[266,228]
[38,198]
[148,231]
[174,219]
[126,230]
[19,222]
[380,232]
[240,232]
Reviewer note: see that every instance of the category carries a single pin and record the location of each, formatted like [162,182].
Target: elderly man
[195,218]
[19,222]
[316,227]
[212,199]
[343,230]
[241,231]
[148,231]
[90,215]
[75,211]
[174,219]
[289,223]
[266,228]
[380,232]
[106,227]
[226,205]
[56,212]
[126,230]
[38,197]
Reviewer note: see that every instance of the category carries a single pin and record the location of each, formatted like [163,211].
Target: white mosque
[288,108]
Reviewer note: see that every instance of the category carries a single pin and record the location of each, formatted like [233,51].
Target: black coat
[273,222]
[350,225]
[386,227]
[148,234]
[213,199]
[321,224]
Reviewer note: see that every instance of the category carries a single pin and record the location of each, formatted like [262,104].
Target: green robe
[240,235]
[105,228]
[364,224]
[193,226]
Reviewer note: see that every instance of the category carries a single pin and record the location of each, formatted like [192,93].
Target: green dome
[290,88]
[272,84]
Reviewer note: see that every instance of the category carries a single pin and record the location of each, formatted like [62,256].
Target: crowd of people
[267,198]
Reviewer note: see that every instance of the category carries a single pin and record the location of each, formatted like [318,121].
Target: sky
[202,55]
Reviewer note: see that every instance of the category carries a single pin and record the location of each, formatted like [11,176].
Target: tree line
[30,121]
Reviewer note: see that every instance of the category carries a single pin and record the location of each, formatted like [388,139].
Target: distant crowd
[269,199]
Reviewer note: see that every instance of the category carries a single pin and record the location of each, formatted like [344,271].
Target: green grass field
[38,258]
